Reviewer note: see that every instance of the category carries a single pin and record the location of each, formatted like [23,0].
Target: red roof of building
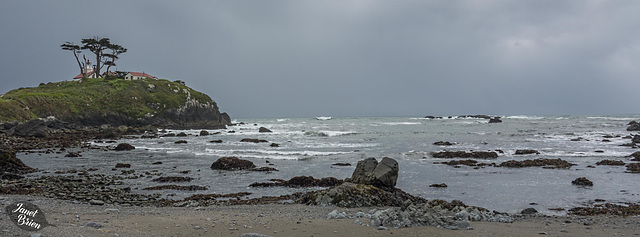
[80,75]
[141,74]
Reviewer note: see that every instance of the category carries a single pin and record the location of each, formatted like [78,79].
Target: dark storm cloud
[350,58]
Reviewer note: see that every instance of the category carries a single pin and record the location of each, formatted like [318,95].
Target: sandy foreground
[79,219]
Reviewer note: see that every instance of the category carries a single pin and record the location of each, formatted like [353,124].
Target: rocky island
[107,102]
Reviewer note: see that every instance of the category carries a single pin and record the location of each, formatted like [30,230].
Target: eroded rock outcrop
[370,172]
[10,166]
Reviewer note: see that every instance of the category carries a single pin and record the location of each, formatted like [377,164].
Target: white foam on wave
[401,123]
[325,133]
[524,117]
[613,118]
[270,154]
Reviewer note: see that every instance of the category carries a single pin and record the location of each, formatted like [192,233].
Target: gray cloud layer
[350,58]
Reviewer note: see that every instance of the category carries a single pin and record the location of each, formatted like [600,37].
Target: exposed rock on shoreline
[370,172]
[302,181]
[10,166]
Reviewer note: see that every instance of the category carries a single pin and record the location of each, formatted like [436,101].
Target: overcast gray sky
[350,58]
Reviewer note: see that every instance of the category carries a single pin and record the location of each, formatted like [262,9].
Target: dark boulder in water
[529,211]
[443,143]
[611,162]
[254,140]
[124,147]
[263,129]
[633,168]
[232,163]
[495,120]
[633,126]
[172,179]
[582,181]
[526,152]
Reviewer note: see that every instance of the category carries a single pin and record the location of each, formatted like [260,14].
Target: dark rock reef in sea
[232,163]
[464,154]
[545,163]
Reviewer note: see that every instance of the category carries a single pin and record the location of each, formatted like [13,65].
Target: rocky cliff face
[97,102]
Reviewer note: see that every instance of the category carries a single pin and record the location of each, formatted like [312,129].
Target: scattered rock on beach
[302,181]
[176,187]
[181,142]
[172,179]
[264,130]
[636,156]
[204,133]
[453,215]
[582,181]
[232,163]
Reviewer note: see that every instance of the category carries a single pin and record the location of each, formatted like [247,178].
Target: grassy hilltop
[135,99]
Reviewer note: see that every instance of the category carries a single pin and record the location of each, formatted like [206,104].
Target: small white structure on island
[138,76]
[89,69]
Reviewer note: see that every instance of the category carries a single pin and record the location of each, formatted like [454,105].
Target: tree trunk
[84,74]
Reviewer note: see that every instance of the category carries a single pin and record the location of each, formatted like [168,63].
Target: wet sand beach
[80,219]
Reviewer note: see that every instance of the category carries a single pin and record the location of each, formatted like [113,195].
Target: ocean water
[309,147]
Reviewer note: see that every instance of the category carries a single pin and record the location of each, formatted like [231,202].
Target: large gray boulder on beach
[370,172]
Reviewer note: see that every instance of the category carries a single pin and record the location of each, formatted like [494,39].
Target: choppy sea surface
[309,147]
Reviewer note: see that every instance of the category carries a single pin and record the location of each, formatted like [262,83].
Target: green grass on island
[134,98]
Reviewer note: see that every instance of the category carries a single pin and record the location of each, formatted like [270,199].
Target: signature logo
[27,216]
